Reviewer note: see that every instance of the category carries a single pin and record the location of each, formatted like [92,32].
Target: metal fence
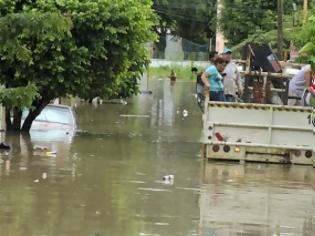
[180,49]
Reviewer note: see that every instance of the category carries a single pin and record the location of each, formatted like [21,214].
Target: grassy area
[182,72]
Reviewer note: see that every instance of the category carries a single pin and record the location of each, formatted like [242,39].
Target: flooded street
[107,178]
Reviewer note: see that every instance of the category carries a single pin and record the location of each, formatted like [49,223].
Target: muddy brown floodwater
[107,178]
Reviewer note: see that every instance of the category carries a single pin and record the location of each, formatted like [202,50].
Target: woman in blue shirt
[212,79]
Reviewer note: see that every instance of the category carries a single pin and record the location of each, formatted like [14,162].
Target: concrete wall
[160,62]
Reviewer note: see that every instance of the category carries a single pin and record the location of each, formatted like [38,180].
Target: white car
[54,117]
[54,123]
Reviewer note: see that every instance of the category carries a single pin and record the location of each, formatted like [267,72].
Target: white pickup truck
[258,132]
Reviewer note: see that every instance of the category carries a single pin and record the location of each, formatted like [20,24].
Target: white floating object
[185,113]
[135,116]
[44,175]
[124,102]
[168,177]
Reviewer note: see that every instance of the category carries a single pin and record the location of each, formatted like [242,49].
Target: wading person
[212,79]
[173,77]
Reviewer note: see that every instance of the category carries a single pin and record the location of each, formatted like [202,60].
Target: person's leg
[214,96]
[292,101]
[221,96]
[229,98]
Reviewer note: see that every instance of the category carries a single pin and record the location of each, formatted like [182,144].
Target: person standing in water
[172,77]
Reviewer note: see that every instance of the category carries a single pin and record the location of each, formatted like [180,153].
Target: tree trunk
[33,114]
[159,48]
[8,119]
[13,123]
[17,116]
[280,29]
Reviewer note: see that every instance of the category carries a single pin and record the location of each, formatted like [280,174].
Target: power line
[184,17]
[190,5]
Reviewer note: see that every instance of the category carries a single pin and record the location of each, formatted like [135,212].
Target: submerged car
[54,123]
[54,117]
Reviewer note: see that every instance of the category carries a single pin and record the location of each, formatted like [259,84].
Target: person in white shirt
[232,78]
[299,83]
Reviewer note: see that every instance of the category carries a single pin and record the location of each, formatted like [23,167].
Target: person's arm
[204,78]
[308,80]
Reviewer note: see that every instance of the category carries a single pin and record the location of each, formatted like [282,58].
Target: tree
[73,47]
[304,38]
[16,99]
[243,18]
[165,23]
[193,20]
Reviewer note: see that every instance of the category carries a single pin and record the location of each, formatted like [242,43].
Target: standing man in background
[232,79]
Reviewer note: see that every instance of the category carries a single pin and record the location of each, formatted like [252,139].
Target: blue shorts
[217,96]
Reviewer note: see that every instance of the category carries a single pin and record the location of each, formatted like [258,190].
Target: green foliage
[304,38]
[306,33]
[20,97]
[37,47]
[242,18]
[182,72]
[74,47]
[193,20]
[245,19]
[269,37]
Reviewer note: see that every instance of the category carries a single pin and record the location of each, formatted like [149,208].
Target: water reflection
[257,199]
[27,150]
[107,179]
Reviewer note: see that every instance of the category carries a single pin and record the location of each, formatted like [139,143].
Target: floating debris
[39,148]
[43,151]
[185,113]
[154,189]
[168,177]
[7,164]
[136,116]
[5,146]
[44,175]
[146,92]
[124,102]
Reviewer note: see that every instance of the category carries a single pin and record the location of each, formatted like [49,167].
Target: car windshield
[54,114]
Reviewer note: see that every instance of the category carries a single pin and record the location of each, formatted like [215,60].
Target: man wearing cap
[232,79]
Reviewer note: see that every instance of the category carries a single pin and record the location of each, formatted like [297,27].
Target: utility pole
[219,42]
[305,3]
[280,29]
